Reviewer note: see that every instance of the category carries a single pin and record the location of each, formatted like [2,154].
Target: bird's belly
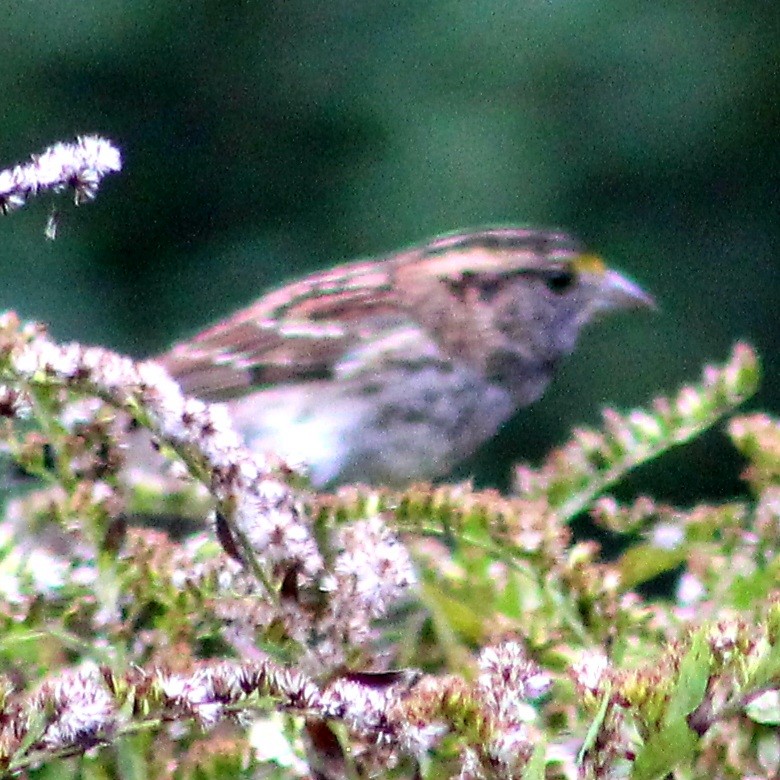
[388,430]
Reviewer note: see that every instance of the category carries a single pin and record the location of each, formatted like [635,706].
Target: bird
[393,370]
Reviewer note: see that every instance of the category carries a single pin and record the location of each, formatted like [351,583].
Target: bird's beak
[618,292]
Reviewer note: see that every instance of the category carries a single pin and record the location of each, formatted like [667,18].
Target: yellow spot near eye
[591,264]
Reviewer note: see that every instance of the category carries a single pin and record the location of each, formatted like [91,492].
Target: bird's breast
[411,421]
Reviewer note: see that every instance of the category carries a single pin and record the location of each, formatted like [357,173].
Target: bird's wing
[302,331]
[296,333]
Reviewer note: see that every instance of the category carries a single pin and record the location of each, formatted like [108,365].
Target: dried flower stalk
[78,165]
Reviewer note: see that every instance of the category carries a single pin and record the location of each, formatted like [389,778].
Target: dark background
[265,139]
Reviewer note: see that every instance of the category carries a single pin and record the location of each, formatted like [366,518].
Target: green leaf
[746,590]
[460,617]
[675,743]
[595,726]
[130,756]
[765,708]
[534,769]
[692,680]
[768,667]
[645,561]
[667,749]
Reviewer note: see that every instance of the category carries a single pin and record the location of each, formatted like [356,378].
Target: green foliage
[507,649]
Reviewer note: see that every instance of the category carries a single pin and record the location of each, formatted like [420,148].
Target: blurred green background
[265,139]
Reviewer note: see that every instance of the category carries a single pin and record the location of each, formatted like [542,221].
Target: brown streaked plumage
[395,369]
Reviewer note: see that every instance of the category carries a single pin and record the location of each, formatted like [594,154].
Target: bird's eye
[559,280]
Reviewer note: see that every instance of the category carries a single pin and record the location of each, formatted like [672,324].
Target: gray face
[537,317]
[533,318]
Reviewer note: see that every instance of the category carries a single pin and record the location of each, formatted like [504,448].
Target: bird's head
[515,300]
